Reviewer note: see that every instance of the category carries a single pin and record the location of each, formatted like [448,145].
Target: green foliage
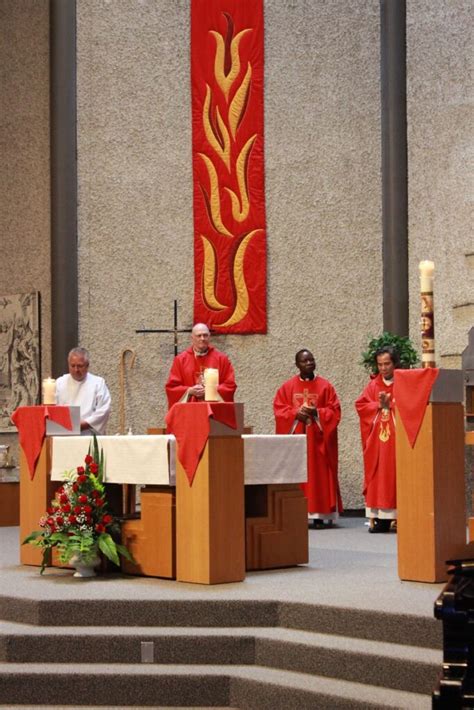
[77,522]
[408,355]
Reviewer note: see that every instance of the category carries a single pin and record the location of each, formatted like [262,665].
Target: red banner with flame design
[228,167]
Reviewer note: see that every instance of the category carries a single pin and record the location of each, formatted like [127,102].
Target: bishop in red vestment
[185,380]
[376,410]
[307,403]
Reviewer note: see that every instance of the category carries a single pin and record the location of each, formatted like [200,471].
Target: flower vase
[85,566]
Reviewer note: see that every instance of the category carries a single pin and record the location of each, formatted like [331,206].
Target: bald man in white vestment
[89,392]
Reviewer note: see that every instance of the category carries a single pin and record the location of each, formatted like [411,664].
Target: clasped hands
[197,391]
[384,400]
[305,414]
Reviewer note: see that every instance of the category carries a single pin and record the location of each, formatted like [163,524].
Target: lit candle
[211,381]
[427,314]
[49,391]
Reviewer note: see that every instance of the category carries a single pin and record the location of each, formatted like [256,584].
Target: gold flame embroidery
[220,143]
[242,301]
[209,276]
[239,102]
[240,209]
[214,198]
[221,138]
[224,80]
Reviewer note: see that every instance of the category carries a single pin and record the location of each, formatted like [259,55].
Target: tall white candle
[211,381]
[426,276]
[49,391]
[427,314]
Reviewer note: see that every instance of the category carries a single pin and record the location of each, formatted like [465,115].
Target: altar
[270,531]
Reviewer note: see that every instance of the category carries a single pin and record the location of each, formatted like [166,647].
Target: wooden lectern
[210,519]
[430,486]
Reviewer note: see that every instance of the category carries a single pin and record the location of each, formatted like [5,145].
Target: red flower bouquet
[77,522]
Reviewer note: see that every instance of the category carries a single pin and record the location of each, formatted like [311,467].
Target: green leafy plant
[77,522]
[407,353]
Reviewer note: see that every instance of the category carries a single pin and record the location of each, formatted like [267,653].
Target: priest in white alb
[85,390]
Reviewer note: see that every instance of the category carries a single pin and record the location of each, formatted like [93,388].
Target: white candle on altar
[49,391]
[211,381]
[426,276]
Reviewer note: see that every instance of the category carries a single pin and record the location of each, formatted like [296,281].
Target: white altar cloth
[141,460]
[151,459]
[270,458]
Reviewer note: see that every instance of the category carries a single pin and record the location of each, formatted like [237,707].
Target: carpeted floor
[347,568]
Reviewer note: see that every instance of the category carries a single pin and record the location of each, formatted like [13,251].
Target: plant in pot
[77,523]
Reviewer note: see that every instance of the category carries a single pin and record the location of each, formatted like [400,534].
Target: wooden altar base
[210,545]
[151,539]
[276,526]
[276,530]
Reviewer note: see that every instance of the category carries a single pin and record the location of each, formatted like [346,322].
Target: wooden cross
[175,330]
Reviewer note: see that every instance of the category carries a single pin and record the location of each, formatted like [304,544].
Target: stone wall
[440,151]
[322,154]
[24,167]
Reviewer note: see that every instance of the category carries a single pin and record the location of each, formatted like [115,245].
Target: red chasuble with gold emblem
[377,429]
[322,488]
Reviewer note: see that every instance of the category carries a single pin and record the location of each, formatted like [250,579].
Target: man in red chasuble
[186,379]
[376,410]
[307,403]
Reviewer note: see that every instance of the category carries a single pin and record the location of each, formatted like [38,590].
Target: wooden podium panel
[35,497]
[210,529]
[151,539]
[276,526]
[431,494]
[9,503]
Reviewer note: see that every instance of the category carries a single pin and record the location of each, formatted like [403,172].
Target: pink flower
[72,519]
[87,509]
[66,508]
[82,498]
[80,469]
[82,478]
[63,498]
[99,502]
[59,520]
[99,528]
[77,509]
[88,459]
[107,519]
[93,468]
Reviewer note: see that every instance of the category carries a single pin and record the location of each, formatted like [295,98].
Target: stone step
[423,631]
[376,663]
[192,686]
